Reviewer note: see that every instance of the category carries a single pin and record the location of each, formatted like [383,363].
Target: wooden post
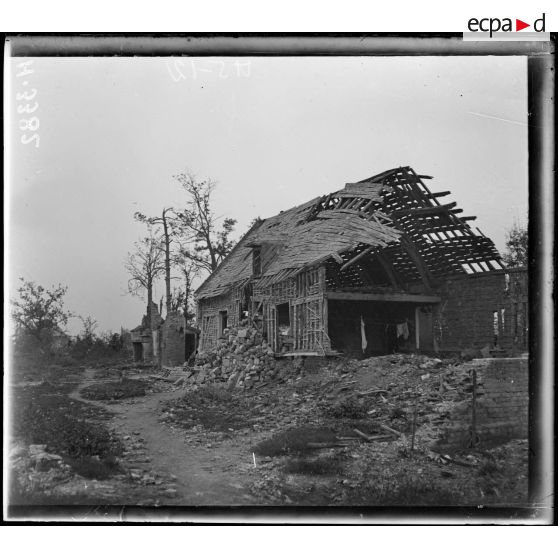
[414,424]
[417,327]
[474,411]
[325,324]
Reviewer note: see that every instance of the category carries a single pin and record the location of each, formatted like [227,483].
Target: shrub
[93,467]
[397,413]
[320,466]
[91,347]
[488,468]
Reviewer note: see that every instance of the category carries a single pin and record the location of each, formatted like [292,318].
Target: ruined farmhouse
[380,265]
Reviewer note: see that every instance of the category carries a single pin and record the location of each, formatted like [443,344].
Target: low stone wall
[502,405]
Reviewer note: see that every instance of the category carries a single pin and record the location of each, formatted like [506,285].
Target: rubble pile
[413,394]
[386,390]
[242,359]
[34,470]
[385,414]
[401,388]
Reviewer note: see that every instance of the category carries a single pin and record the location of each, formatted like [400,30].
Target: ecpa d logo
[503,25]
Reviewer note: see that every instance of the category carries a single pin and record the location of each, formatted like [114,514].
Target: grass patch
[319,466]
[51,376]
[115,390]
[294,441]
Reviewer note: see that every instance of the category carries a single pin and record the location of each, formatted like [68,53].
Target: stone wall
[502,405]
[172,340]
[483,309]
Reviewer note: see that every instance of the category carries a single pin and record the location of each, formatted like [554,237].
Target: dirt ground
[292,442]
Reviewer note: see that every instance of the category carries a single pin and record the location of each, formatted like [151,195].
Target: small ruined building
[167,342]
[378,266]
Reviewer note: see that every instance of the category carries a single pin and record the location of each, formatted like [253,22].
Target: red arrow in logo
[519,25]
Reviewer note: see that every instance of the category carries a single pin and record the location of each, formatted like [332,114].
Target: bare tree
[210,241]
[145,265]
[89,326]
[168,221]
[189,271]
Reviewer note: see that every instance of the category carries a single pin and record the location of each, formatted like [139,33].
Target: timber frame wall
[306,295]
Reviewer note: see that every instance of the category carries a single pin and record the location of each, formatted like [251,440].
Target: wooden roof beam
[389,270]
[422,211]
[388,297]
[438,194]
[426,277]
[357,258]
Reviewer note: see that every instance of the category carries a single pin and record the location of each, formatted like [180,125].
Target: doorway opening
[360,329]
[223,319]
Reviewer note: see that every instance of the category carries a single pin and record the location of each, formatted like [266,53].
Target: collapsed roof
[392,216]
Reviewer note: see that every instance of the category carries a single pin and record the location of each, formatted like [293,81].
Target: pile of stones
[243,359]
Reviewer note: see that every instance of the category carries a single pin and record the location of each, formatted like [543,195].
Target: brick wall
[502,405]
[477,308]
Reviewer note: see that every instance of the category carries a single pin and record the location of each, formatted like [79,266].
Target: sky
[273,132]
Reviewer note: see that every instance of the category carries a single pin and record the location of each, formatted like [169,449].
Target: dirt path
[197,476]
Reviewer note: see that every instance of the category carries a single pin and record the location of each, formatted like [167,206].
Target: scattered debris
[339,434]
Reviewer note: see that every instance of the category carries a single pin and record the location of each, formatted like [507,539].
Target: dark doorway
[284,333]
[360,329]
[425,328]
[138,352]
[283,315]
[223,319]
[189,345]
